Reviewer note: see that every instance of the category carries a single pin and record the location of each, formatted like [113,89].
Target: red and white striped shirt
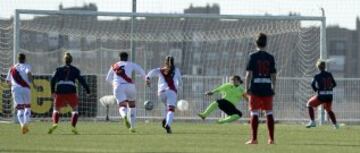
[18,75]
[120,72]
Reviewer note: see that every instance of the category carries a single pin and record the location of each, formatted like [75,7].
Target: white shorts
[168,97]
[124,92]
[21,95]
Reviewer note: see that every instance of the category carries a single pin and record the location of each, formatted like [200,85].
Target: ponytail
[170,64]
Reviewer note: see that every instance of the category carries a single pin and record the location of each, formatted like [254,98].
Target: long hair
[170,64]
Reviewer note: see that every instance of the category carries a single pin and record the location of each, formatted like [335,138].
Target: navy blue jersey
[262,64]
[323,83]
[63,81]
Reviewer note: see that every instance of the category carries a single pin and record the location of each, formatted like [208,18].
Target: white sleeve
[178,77]
[28,69]
[110,75]
[8,77]
[153,73]
[139,70]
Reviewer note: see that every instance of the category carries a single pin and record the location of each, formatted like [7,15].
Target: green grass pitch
[112,137]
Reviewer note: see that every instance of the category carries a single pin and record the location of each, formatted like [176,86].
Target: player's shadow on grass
[144,134]
[75,151]
[329,144]
[106,134]
[209,133]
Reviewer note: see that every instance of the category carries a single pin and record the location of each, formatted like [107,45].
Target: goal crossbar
[129,14]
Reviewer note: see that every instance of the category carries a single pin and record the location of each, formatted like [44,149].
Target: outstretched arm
[152,73]
[110,75]
[140,71]
[216,90]
[8,77]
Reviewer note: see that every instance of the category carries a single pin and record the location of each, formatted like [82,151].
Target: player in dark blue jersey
[260,85]
[323,84]
[63,89]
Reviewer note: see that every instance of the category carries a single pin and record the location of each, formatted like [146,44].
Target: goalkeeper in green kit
[232,93]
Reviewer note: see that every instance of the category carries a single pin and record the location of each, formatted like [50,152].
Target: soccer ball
[183,105]
[148,105]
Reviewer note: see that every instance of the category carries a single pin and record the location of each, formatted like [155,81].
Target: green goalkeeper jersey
[230,92]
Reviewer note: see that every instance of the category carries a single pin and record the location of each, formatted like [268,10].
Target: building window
[39,38]
[212,56]
[197,56]
[340,45]
[225,55]
[337,47]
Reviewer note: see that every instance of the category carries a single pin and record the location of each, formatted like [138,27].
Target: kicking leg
[169,118]
[230,109]
[213,106]
[55,120]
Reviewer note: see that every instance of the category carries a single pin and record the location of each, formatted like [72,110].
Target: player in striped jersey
[124,90]
[168,83]
[19,78]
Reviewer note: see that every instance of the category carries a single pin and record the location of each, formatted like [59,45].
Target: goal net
[207,49]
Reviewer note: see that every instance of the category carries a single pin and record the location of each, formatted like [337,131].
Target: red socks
[311,113]
[55,117]
[332,116]
[270,125]
[74,118]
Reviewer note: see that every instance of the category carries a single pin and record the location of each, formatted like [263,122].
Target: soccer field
[102,137]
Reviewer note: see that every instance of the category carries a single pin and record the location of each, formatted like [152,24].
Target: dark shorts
[228,108]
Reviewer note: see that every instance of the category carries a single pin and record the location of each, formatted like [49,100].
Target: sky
[338,12]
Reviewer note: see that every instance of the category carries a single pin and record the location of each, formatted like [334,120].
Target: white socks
[20,116]
[123,111]
[27,115]
[169,118]
[132,118]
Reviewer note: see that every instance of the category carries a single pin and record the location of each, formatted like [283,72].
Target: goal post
[206,47]
[323,56]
